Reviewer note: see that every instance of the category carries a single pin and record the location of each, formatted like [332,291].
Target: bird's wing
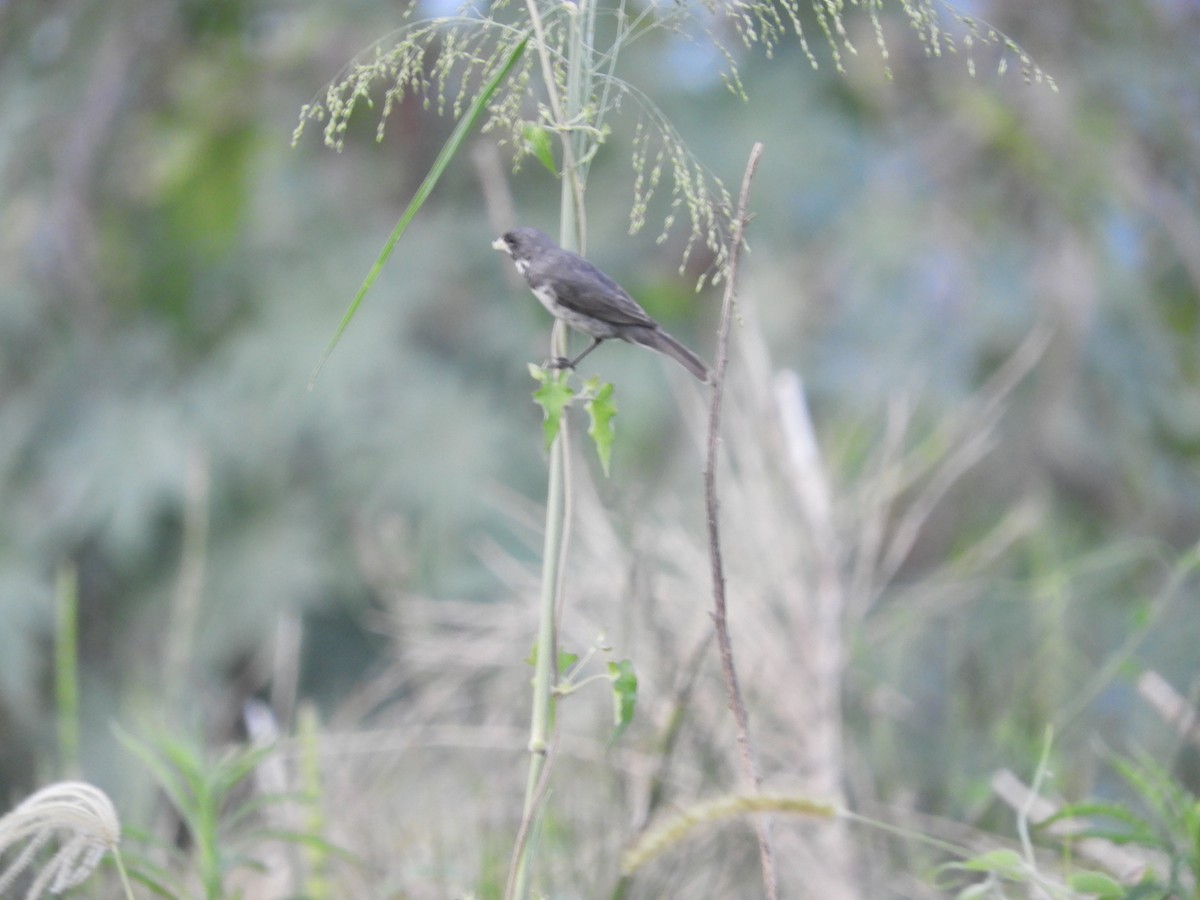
[585,289]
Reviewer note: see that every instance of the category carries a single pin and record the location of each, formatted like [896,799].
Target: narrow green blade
[451,147]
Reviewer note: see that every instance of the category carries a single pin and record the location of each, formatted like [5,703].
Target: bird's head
[522,244]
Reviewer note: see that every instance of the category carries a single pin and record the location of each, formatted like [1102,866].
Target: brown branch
[749,759]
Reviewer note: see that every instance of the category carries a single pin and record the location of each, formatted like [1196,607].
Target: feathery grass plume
[87,826]
[443,60]
[679,827]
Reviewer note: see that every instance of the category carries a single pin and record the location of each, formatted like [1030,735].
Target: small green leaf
[1096,883]
[566,659]
[537,142]
[601,410]
[624,688]
[553,397]
[1005,863]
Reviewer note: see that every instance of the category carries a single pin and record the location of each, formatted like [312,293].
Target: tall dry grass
[423,765]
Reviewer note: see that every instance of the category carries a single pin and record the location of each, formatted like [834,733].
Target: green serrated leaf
[538,142]
[601,410]
[624,688]
[553,397]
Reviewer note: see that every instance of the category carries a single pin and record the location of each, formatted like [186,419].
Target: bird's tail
[657,339]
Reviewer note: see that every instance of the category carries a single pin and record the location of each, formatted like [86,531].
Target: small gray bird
[574,290]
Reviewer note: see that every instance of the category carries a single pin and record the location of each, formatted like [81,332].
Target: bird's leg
[561,362]
[596,342]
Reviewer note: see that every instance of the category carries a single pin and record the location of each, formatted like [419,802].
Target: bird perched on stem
[574,290]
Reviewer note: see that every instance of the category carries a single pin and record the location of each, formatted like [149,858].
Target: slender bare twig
[749,759]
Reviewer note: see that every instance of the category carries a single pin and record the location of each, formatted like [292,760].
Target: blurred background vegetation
[170,270]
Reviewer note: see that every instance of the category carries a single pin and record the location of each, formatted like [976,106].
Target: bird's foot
[559,362]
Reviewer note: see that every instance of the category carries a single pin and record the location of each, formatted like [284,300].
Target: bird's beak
[498,244]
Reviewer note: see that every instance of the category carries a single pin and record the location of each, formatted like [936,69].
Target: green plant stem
[572,233]
[66,670]
[124,875]
[572,193]
[558,510]
[554,547]
[545,662]
[316,879]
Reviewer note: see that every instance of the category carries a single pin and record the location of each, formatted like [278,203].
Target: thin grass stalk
[188,594]
[66,669]
[316,854]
